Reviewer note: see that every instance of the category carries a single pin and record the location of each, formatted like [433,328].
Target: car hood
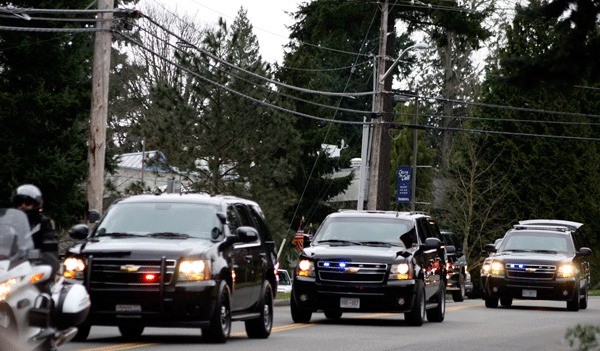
[532,258]
[137,247]
[354,253]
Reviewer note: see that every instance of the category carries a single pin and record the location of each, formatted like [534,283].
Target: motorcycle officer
[28,198]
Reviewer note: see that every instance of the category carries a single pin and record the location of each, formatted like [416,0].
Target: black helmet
[27,193]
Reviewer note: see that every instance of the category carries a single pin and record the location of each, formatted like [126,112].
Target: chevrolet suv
[372,261]
[174,260]
[458,277]
[537,260]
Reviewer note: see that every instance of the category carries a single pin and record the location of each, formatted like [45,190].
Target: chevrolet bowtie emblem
[530,270]
[130,268]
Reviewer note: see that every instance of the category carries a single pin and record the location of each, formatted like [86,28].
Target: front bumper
[186,305]
[396,296]
[559,290]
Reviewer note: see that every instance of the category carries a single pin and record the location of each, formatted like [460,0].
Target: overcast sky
[268,18]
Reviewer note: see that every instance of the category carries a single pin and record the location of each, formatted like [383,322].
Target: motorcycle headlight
[6,287]
[400,271]
[566,271]
[73,268]
[193,270]
[306,268]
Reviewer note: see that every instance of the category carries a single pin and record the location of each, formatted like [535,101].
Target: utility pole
[99,107]
[379,165]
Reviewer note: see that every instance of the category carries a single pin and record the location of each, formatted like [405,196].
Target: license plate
[529,293]
[349,302]
[128,308]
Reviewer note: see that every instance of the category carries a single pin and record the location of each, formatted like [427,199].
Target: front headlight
[306,268]
[73,268]
[400,271]
[566,271]
[193,270]
[497,268]
[6,287]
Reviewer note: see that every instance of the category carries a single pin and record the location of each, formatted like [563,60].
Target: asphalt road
[528,325]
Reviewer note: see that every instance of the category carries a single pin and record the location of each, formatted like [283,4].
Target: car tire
[417,314]
[219,328]
[333,314]
[491,301]
[506,301]
[83,331]
[299,315]
[130,332]
[583,303]
[574,303]
[437,314]
[260,328]
[459,296]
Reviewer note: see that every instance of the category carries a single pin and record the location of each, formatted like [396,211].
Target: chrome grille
[111,272]
[530,271]
[351,272]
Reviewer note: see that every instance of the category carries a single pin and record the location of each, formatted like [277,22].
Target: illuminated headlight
[73,268]
[400,271]
[497,268]
[306,268]
[486,267]
[194,270]
[6,287]
[566,271]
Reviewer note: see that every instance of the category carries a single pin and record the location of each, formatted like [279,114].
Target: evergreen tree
[45,99]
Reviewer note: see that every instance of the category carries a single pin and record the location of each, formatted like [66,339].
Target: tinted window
[195,220]
[233,220]
[367,229]
[531,241]
[258,217]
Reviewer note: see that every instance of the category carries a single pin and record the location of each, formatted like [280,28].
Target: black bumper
[187,305]
[315,296]
[559,290]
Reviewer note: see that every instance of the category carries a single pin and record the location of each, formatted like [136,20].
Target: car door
[255,255]
[237,257]
[432,261]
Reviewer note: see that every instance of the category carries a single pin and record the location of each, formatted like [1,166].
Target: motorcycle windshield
[14,223]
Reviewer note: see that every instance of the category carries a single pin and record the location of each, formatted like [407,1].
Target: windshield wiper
[380,243]
[169,235]
[516,250]
[546,251]
[116,235]
[338,241]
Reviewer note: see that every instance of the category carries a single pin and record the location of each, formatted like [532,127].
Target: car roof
[187,198]
[550,223]
[382,214]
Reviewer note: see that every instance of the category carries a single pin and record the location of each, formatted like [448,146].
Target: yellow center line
[129,346]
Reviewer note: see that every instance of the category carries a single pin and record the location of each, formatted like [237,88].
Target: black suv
[458,277]
[372,261]
[175,260]
[537,260]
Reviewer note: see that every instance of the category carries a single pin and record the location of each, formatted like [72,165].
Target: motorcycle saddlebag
[72,306]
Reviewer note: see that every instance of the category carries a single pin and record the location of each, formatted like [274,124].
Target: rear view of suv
[537,260]
[372,261]
[176,260]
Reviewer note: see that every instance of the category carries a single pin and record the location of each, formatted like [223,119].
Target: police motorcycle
[39,319]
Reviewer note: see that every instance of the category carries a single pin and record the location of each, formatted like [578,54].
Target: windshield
[14,223]
[169,220]
[537,242]
[366,230]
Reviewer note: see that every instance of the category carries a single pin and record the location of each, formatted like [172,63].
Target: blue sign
[403,181]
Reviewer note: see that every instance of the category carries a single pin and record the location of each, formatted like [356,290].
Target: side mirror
[584,251]
[432,243]
[79,231]
[490,248]
[306,240]
[451,249]
[93,216]
[246,234]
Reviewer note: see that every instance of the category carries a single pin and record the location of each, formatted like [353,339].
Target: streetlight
[373,159]
[418,46]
